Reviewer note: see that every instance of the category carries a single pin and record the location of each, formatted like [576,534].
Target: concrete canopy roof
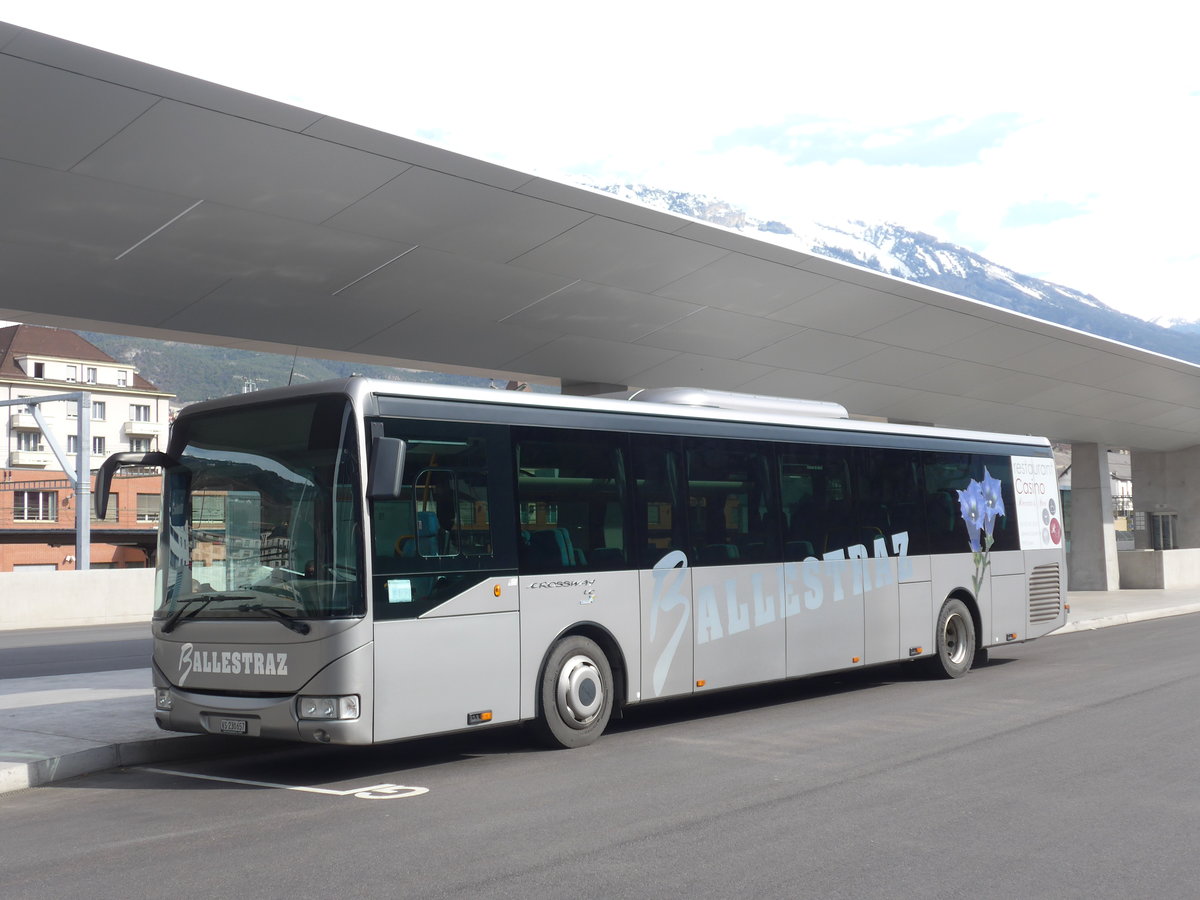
[145,202]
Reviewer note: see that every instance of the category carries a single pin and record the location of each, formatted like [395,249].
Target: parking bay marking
[374,792]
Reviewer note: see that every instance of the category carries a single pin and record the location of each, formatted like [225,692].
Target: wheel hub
[579,691]
[954,638]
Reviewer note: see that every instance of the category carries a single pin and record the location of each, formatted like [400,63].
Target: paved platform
[61,726]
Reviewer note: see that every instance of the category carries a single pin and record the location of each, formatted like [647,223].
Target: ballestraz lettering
[229,662]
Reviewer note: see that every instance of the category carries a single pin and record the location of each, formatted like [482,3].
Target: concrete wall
[98,597]
[1092,563]
[1159,570]
[1168,483]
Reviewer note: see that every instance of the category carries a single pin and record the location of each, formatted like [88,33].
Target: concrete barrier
[1159,569]
[55,599]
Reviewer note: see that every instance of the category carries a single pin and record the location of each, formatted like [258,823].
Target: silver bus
[363,561]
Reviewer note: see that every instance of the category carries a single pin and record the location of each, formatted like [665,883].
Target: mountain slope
[199,371]
[922,258]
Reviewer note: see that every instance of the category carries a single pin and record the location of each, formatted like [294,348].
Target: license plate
[233,726]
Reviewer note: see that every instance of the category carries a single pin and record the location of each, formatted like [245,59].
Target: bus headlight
[328,707]
[162,698]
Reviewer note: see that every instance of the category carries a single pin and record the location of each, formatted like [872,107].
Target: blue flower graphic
[973,505]
[982,503]
[993,502]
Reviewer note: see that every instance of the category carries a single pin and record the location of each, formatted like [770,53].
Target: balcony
[33,458]
[143,429]
[24,422]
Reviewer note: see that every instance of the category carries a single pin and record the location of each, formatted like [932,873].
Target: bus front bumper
[262,717]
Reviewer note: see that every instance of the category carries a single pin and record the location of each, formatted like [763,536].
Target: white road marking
[373,792]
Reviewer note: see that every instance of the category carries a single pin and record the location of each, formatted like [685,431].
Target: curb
[1126,618]
[17,776]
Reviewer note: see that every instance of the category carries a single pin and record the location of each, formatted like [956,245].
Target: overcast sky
[1060,139]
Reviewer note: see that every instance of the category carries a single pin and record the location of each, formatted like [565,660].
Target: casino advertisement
[1039,513]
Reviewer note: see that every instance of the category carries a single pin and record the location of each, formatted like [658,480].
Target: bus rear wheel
[575,695]
[955,639]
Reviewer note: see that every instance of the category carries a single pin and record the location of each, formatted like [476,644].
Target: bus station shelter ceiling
[140,201]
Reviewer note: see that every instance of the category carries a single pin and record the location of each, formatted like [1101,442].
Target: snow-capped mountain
[1191,326]
[922,258]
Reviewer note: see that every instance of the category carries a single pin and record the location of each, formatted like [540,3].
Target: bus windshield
[261,515]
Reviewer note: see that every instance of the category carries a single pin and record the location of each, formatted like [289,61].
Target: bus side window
[571,500]
[818,502]
[948,474]
[659,509]
[732,506]
[945,475]
[443,515]
[888,484]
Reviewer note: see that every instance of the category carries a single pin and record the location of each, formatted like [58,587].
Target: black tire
[575,694]
[954,640]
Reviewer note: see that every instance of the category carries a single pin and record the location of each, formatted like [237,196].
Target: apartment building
[127,412]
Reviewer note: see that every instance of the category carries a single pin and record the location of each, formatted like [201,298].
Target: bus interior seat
[712,554]
[552,548]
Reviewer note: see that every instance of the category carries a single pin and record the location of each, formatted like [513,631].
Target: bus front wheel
[955,639]
[575,696]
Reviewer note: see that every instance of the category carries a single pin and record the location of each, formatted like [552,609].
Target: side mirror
[385,480]
[109,468]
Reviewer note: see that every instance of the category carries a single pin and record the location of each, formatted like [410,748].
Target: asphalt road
[33,652]
[1064,768]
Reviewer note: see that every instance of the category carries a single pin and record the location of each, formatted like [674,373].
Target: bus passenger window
[731,502]
[818,504]
[443,513]
[946,474]
[890,499]
[658,498]
[570,500]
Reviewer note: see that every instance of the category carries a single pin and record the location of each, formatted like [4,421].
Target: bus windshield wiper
[289,621]
[203,600]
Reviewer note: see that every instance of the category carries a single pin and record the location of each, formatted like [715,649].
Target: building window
[98,410]
[72,373]
[30,440]
[1163,528]
[91,375]
[35,506]
[72,443]
[139,445]
[139,412]
[122,378]
[147,507]
[98,446]
[39,370]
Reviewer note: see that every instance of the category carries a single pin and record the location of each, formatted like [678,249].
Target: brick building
[37,522]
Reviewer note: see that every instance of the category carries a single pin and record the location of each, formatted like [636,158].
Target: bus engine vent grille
[1045,594]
